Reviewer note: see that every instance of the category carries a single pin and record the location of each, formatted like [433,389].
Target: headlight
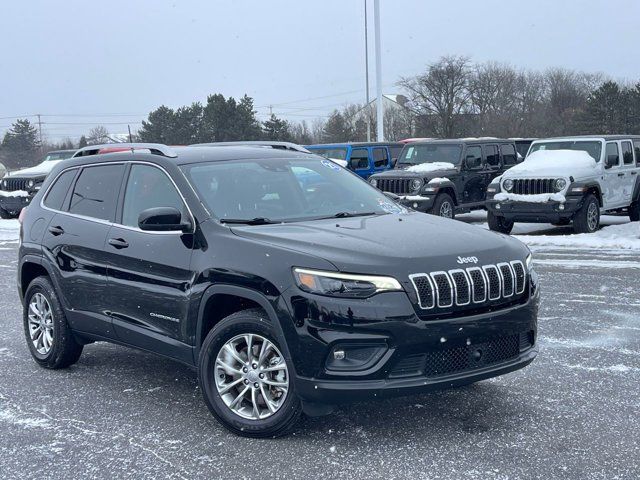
[559,184]
[507,185]
[342,284]
[30,183]
[415,184]
[529,262]
[373,182]
[4,183]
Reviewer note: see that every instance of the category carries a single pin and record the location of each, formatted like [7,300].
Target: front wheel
[587,218]
[444,206]
[499,224]
[245,378]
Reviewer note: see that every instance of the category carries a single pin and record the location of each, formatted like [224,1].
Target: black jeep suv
[445,177]
[272,273]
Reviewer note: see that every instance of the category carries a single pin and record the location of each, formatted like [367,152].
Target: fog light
[415,204]
[561,206]
[355,356]
[497,206]
[338,355]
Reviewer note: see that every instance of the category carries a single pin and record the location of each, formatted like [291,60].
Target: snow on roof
[431,167]
[555,162]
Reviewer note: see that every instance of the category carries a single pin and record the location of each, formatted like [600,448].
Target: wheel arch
[227,299]
[594,188]
[31,267]
[450,189]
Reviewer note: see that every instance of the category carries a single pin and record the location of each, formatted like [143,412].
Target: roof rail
[154,148]
[294,147]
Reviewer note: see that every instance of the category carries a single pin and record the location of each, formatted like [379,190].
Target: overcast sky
[303,57]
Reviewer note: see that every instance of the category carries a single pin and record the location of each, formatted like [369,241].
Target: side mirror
[612,161]
[162,219]
[472,162]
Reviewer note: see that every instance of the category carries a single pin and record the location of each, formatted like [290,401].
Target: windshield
[280,190]
[58,156]
[335,152]
[592,147]
[430,153]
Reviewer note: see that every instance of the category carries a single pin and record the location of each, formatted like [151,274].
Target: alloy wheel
[40,323]
[446,210]
[251,376]
[592,216]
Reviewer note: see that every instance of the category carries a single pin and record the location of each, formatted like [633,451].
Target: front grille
[469,357]
[12,184]
[533,186]
[399,186]
[474,285]
[409,366]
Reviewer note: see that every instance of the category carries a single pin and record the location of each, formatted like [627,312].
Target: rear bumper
[548,212]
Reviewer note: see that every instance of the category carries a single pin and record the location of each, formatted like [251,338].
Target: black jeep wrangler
[445,177]
[270,272]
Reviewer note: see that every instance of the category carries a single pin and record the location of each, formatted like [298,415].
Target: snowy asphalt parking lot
[573,413]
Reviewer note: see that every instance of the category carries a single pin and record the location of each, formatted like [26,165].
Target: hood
[41,169]
[555,163]
[396,245]
[423,171]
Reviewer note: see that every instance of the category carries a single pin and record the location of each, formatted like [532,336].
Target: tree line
[453,97]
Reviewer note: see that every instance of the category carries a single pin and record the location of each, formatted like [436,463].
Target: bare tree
[98,135]
[442,93]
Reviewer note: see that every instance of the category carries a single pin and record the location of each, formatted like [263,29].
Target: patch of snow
[42,168]
[439,180]
[412,198]
[9,230]
[555,163]
[431,167]
[15,193]
[342,163]
[539,198]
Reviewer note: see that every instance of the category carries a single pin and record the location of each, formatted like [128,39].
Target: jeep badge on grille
[463,260]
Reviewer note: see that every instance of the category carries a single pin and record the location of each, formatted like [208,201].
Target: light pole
[379,108]
[366,70]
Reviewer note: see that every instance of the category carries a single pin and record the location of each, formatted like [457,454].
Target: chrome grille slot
[13,184]
[520,276]
[489,284]
[533,186]
[493,280]
[444,289]
[399,186]
[506,278]
[462,287]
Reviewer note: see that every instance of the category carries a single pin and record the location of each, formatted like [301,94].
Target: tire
[233,331]
[49,327]
[444,206]
[634,211]
[587,218]
[499,224]
[5,215]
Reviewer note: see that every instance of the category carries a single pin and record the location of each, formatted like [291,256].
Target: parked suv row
[270,272]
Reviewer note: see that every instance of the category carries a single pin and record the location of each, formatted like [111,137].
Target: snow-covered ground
[9,230]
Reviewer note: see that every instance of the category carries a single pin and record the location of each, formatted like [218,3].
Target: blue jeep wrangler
[363,158]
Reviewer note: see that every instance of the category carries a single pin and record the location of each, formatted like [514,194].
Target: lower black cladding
[463,358]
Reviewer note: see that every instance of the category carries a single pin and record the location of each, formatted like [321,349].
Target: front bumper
[548,212]
[416,202]
[416,355]
[13,204]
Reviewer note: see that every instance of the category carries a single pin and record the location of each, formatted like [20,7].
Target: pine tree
[276,129]
[83,142]
[159,126]
[604,111]
[21,144]
[337,129]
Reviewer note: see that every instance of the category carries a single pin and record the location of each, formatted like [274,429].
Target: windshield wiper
[248,221]
[348,214]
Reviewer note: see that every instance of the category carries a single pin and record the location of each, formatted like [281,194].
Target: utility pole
[40,130]
[270,110]
[366,70]
[379,108]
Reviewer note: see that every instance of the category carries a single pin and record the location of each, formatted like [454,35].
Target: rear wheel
[587,218]
[444,206]
[48,335]
[245,378]
[499,224]
[634,211]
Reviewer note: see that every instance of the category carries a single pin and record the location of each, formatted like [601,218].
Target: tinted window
[336,152]
[359,158]
[636,147]
[148,187]
[59,190]
[380,158]
[491,152]
[627,153]
[612,149]
[395,151]
[508,154]
[430,153]
[474,155]
[96,192]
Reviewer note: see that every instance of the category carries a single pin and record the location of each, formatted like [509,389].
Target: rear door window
[627,153]
[59,190]
[380,157]
[474,156]
[359,159]
[96,192]
[636,149]
[612,150]
[509,156]
[491,154]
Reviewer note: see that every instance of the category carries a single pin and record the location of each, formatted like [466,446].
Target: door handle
[118,243]
[634,173]
[55,231]
[621,174]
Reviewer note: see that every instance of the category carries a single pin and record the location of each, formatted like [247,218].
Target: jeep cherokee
[569,180]
[270,272]
[445,177]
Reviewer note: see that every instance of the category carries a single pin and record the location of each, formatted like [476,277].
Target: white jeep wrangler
[569,179]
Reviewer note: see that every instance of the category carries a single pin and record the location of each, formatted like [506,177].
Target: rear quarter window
[58,191]
[96,192]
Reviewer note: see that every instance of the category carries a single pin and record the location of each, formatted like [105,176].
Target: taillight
[21,216]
